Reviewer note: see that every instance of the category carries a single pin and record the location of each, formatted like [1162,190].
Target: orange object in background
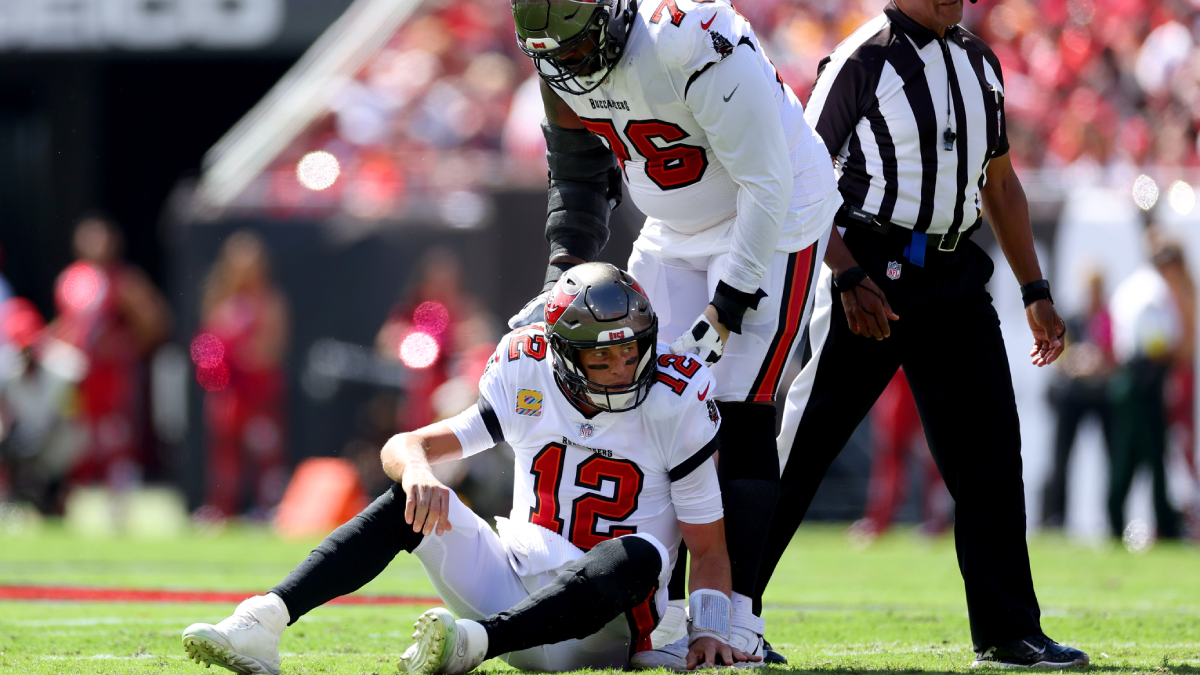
[324,493]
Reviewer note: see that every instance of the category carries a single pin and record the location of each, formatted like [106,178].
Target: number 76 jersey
[587,479]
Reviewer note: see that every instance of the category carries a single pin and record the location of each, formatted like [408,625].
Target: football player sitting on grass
[614,440]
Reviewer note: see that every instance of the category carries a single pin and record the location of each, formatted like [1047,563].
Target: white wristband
[710,614]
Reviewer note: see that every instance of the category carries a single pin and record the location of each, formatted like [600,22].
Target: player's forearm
[709,558]
[710,571]
[417,450]
[401,452]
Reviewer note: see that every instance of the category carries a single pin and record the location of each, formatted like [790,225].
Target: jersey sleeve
[475,432]
[495,397]
[696,423]
[697,496]
[732,92]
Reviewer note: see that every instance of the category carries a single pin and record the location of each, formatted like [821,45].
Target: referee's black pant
[948,340]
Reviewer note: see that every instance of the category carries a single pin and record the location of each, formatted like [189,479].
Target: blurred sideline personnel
[911,108]
[1080,388]
[1147,333]
[1181,381]
[244,404]
[576,578]
[39,435]
[438,305]
[740,198]
[896,440]
[443,370]
[110,311]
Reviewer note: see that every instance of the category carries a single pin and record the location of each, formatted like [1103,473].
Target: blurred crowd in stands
[1094,87]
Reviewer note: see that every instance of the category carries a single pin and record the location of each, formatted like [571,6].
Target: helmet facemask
[594,306]
[602,41]
[610,398]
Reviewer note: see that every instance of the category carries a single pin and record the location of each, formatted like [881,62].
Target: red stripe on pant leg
[795,302]
[642,623]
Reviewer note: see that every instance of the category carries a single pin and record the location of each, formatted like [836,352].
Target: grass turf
[896,606]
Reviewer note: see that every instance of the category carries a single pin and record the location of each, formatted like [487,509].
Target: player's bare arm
[867,308]
[1008,212]
[710,570]
[407,458]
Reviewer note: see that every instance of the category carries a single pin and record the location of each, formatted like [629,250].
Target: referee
[911,108]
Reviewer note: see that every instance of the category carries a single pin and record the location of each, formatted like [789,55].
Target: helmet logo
[610,335]
[559,302]
[542,44]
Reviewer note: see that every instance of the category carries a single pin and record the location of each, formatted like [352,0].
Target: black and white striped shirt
[880,103]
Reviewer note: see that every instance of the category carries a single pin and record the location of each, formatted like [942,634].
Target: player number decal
[669,167]
[532,345]
[587,509]
[682,364]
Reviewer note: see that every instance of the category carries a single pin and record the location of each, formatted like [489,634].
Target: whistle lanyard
[948,135]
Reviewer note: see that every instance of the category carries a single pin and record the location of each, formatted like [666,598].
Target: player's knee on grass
[351,555]
[614,577]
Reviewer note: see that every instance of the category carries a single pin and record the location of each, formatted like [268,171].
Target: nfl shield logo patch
[586,430]
[893,270]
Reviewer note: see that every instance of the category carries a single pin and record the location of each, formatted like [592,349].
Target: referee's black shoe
[772,657]
[1035,651]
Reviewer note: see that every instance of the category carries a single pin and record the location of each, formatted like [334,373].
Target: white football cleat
[444,645]
[672,656]
[246,642]
[673,625]
[746,634]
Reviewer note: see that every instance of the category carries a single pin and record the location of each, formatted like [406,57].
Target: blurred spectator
[1181,377]
[110,311]
[428,331]
[897,439]
[1079,389]
[39,437]
[239,354]
[444,338]
[1147,331]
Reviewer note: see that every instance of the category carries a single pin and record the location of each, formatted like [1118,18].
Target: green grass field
[896,606]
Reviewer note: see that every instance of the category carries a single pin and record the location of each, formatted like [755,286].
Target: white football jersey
[667,133]
[583,480]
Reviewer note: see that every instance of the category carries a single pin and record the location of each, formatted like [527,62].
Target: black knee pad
[621,572]
[747,437]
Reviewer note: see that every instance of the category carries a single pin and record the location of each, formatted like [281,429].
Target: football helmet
[592,32]
[597,305]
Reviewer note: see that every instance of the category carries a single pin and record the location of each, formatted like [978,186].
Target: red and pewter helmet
[593,32]
[597,305]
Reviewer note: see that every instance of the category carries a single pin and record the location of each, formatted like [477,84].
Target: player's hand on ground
[428,506]
[706,338]
[868,311]
[708,652]
[532,312]
[1048,331]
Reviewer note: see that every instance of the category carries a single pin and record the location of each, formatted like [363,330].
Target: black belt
[946,243]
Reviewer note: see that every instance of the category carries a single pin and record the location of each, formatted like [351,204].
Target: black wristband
[731,305]
[849,279]
[553,272]
[1036,290]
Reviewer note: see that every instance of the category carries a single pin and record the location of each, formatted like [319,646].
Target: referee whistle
[948,137]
